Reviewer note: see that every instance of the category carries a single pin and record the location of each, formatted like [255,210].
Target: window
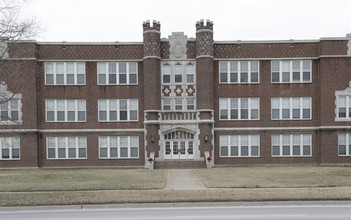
[292,145]
[239,145]
[118,147]
[166,73]
[190,104]
[190,71]
[118,110]
[239,72]
[343,107]
[297,71]
[166,103]
[9,148]
[66,147]
[178,104]
[239,109]
[117,73]
[10,110]
[65,110]
[64,73]
[344,145]
[291,108]
[178,73]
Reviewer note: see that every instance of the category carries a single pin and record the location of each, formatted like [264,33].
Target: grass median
[276,176]
[30,180]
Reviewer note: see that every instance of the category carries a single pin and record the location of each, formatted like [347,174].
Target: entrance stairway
[180,164]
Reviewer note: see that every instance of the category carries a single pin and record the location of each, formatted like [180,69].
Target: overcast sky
[121,20]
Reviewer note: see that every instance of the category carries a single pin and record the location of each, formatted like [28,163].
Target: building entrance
[179,145]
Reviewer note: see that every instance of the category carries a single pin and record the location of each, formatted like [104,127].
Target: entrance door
[179,145]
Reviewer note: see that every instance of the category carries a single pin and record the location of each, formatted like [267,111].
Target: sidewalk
[183,179]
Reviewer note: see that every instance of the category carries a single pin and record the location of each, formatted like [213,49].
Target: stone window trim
[113,73]
[293,147]
[7,99]
[114,110]
[302,101]
[346,95]
[56,151]
[114,147]
[239,72]
[245,108]
[52,74]
[52,107]
[10,148]
[239,146]
[303,68]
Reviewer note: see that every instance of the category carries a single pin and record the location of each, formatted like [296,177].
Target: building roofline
[281,41]
[90,43]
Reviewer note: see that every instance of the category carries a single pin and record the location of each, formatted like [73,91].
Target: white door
[179,145]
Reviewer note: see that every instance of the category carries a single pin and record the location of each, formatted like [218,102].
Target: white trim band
[281,128]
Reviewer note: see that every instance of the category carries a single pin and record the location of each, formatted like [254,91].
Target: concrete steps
[180,164]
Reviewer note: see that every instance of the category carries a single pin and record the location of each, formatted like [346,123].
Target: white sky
[121,20]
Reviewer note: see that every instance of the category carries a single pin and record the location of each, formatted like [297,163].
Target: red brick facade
[331,72]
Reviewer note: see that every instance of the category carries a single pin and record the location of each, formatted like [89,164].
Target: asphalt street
[291,212]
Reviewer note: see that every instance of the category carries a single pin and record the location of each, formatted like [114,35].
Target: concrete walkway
[183,179]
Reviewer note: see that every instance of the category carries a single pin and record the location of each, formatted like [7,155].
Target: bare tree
[15,32]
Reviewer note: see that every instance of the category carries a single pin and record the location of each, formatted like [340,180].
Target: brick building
[177,99]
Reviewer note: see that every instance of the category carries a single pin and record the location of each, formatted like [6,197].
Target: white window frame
[10,147]
[119,147]
[77,147]
[17,98]
[291,108]
[239,137]
[291,71]
[65,73]
[65,110]
[228,100]
[347,94]
[128,73]
[118,110]
[238,72]
[291,145]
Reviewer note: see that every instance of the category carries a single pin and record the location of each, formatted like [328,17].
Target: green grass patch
[28,180]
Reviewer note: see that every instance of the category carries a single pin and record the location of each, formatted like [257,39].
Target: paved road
[310,212]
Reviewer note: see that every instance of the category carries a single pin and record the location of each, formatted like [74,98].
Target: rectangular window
[122,73]
[166,73]
[178,104]
[239,109]
[239,72]
[166,103]
[297,71]
[190,71]
[112,110]
[9,148]
[344,144]
[10,110]
[190,104]
[64,73]
[291,108]
[178,73]
[65,110]
[66,147]
[239,145]
[292,145]
[114,147]
[344,107]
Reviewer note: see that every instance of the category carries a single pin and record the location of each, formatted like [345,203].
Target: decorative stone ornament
[177,46]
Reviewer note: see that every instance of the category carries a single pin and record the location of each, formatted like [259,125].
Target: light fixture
[206,137]
[152,138]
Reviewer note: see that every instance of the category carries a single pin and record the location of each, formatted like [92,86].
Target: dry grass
[21,180]
[157,196]
[276,176]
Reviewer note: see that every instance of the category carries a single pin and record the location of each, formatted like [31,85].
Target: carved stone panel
[177,46]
